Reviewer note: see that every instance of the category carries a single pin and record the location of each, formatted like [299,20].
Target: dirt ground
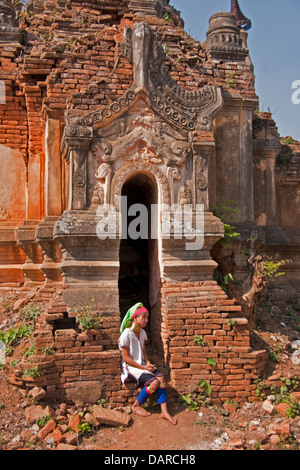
[209,428]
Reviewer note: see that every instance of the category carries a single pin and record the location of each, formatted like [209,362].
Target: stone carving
[184,196]
[148,155]
[98,196]
[106,112]
[182,109]
[151,125]
[201,173]
[147,121]
[202,183]
[103,175]
[232,117]
[173,174]
[201,178]
[131,168]
[102,151]
[79,151]
[142,144]
[126,45]
[79,178]
[78,131]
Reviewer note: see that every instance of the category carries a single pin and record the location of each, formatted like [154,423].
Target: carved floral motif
[131,168]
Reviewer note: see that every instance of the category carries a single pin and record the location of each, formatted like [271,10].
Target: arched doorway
[139,274]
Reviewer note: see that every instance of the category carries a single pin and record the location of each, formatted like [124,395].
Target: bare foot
[166,415]
[139,410]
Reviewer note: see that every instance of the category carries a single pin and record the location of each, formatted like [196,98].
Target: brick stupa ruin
[112,97]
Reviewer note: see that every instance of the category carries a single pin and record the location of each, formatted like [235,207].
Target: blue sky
[274,43]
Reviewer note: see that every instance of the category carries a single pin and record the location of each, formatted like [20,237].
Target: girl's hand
[150,367]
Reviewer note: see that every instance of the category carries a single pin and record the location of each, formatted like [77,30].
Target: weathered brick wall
[203,309]
[187,309]
[13,115]
[66,357]
[288,185]
[71,59]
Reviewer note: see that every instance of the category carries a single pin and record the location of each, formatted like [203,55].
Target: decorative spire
[242,21]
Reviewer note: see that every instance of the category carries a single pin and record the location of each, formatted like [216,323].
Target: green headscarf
[126,323]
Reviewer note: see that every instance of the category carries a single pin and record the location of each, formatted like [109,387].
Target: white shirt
[135,346]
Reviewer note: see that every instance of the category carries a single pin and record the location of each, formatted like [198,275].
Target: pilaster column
[78,139]
[204,169]
[234,161]
[53,164]
[271,200]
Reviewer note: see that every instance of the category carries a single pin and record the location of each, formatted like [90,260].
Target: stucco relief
[152,124]
[137,167]
[144,140]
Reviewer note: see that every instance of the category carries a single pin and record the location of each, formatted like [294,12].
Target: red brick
[110,417]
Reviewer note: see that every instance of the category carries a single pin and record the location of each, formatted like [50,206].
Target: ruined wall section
[13,156]
[72,58]
[13,115]
[288,184]
[203,337]
[90,66]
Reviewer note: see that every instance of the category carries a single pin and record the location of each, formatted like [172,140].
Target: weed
[287,443]
[14,363]
[30,351]
[231,81]
[281,394]
[102,402]
[231,322]
[201,422]
[33,372]
[275,354]
[271,269]
[194,403]
[231,402]
[30,312]
[222,280]
[47,351]
[211,362]
[2,440]
[260,388]
[199,341]
[168,18]
[293,410]
[41,422]
[288,141]
[7,305]
[227,212]
[84,428]
[86,317]
[13,335]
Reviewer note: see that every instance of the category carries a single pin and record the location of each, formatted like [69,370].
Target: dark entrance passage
[138,256]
